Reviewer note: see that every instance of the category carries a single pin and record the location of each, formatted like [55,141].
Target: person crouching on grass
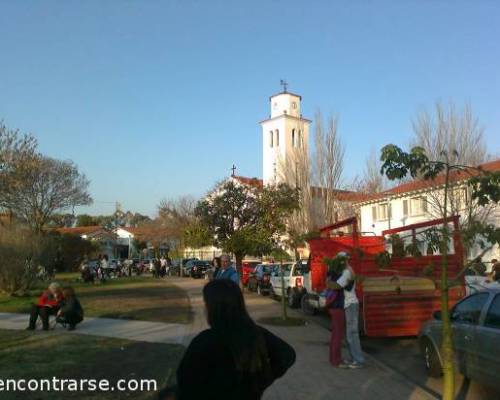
[48,304]
[71,311]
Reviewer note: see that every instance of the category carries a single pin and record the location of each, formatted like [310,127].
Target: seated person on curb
[71,311]
[48,304]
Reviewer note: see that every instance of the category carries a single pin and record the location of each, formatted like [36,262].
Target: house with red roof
[104,238]
[421,200]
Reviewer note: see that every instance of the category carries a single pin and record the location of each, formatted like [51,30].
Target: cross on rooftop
[284,84]
[233,169]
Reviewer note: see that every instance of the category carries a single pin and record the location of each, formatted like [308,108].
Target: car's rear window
[493,316]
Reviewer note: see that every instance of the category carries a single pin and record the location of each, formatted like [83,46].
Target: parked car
[293,279]
[197,268]
[260,279]
[475,322]
[247,267]
[185,266]
[476,283]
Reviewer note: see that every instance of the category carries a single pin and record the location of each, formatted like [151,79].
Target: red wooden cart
[396,300]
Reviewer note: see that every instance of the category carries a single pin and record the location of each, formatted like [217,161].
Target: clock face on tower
[275,106]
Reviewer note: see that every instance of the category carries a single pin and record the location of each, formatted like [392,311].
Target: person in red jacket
[48,304]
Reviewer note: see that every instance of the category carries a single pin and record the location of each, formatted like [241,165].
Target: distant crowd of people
[101,270]
[159,267]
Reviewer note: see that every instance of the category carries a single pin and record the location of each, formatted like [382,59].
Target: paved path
[311,377]
[153,332]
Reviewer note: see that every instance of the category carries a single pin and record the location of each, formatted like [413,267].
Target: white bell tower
[282,134]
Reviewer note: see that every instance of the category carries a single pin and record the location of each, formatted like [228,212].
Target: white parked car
[294,276]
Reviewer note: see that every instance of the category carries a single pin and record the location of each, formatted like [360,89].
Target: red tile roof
[421,184]
[342,195]
[80,230]
[139,230]
[249,181]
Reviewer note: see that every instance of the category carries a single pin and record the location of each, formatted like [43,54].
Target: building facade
[283,132]
[420,201]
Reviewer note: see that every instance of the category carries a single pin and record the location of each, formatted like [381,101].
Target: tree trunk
[447,343]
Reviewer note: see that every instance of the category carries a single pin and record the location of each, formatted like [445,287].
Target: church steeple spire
[282,134]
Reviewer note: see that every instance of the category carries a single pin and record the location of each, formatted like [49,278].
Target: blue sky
[156,99]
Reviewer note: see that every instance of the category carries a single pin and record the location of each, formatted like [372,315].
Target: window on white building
[277,138]
[380,212]
[293,138]
[418,206]
[405,208]
[299,139]
[271,138]
[383,212]
[459,198]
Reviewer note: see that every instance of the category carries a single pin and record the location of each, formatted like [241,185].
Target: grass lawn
[139,298]
[37,355]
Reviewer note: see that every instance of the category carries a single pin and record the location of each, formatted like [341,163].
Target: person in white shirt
[163,266]
[351,309]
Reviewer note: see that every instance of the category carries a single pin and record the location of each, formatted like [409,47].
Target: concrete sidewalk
[311,378]
[152,332]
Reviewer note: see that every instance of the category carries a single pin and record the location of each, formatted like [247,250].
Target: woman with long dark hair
[235,358]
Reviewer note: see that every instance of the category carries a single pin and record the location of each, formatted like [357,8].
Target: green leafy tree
[196,235]
[247,220]
[398,164]
[86,220]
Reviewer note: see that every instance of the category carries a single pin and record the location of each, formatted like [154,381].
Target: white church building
[282,132]
[285,131]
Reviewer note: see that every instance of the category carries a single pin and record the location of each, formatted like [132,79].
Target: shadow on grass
[172,315]
[43,356]
[150,303]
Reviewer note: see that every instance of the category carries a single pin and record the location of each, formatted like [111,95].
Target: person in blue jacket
[226,270]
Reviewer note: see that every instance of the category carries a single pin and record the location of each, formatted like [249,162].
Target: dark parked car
[185,266]
[475,324]
[260,279]
[197,268]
